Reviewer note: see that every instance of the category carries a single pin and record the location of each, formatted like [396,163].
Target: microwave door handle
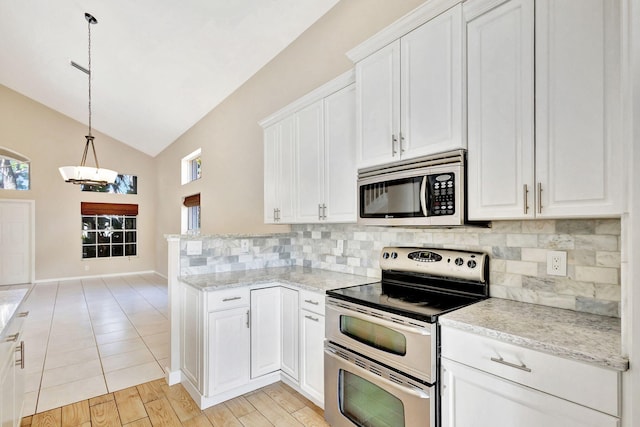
[423,195]
[376,378]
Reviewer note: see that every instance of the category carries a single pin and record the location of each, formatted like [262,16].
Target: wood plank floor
[158,405]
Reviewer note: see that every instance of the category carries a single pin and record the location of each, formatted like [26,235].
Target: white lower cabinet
[191,333]
[489,383]
[266,333]
[229,349]
[11,374]
[312,346]
[289,312]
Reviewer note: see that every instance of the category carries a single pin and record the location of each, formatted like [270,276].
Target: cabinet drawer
[312,301]
[585,384]
[228,298]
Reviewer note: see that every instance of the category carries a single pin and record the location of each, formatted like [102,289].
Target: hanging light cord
[90,20]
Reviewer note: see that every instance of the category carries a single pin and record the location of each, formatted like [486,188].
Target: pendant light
[85,174]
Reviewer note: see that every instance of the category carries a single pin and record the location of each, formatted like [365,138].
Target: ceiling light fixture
[85,174]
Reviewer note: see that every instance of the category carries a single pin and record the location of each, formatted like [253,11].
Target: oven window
[366,404]
[374,335]
[398,198]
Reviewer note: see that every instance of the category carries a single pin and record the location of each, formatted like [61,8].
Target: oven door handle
[382,322]
[423,196]
[376,378]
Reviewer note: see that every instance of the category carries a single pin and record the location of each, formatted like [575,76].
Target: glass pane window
[367,404]
[191,167]
[374,335]
[14,174]
[193,218]
[109,236]
[195,169]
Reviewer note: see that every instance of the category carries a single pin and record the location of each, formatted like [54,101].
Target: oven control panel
[438,262]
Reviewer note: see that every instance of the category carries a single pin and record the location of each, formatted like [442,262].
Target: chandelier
[86,174]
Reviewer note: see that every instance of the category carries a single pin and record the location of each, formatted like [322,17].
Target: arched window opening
[15,171]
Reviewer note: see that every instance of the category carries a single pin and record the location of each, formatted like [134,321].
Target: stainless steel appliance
[382,348]
[425,191]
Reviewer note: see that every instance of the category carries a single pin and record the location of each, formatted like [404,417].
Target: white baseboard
[97,276]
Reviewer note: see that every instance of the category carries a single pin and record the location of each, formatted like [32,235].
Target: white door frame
[32,228]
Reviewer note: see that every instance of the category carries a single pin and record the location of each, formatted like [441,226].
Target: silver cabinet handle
[526,199]
[324,211]
[500,360]
[539,197]
[311,302]
[319,211]
[394,140]
[20,349]
[401,144]
[315,319]
[231,299]
[275,218]
[12,338]
[23,314]
[248,318]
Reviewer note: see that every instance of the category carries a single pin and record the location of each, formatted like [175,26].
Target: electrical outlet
[557,263]
[244,245]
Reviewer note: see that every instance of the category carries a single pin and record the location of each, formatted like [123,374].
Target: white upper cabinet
[316,139]
[278,171]
[500,103]
[409,92]
[558,156]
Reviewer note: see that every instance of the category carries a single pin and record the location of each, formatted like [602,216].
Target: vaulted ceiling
[158,66]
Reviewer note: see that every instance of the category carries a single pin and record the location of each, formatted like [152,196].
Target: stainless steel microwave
[424,191]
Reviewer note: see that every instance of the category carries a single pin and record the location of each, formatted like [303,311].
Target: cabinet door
[312,355]
[578,161]
[473,398]
[271,154]
[228,349]
[265,331]
[377,106]
[191,331]
[500,116]
[340,156]
[289,306]
[431,86]
[8,415]
[309,163]
[286,188]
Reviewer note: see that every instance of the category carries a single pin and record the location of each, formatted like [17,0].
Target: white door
[265,331]
[500,109]
[378,102]
[312,357]
[340,154]
[578,149]
[290,352]
[309,163]
[473,398]
[431,81]
[16,240]
[228,349]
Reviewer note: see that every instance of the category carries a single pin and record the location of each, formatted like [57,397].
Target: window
[191,214]
[109,230]
[191,167]
[14,171]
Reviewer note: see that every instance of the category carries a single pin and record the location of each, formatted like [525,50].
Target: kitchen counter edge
[11,300]
[311,279]
[584,337]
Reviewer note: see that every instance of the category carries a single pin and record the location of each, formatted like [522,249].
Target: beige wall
[231,140]
[50,140]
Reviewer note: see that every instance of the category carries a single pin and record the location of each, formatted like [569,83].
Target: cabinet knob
[394,141]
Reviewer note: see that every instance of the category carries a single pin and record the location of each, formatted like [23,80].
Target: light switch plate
[557,263]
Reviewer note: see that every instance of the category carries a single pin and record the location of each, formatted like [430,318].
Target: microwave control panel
[442,194]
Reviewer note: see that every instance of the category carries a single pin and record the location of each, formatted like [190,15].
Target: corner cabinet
[486,382]
[558,156]
[409,92]
[309,148]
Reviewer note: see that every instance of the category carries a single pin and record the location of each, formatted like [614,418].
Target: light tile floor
[85,338]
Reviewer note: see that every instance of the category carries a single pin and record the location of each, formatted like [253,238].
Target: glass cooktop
[404,300]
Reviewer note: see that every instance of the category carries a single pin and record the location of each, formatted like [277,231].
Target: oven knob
[394,255]
[471,263]
[385,255]
[459,261]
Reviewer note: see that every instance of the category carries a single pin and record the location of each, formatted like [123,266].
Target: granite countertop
[10,300]
[312,279]
[574,335]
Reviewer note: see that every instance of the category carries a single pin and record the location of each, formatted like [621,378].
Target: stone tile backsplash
[517,249]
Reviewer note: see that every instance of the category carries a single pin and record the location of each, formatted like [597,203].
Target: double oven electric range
[382,348]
